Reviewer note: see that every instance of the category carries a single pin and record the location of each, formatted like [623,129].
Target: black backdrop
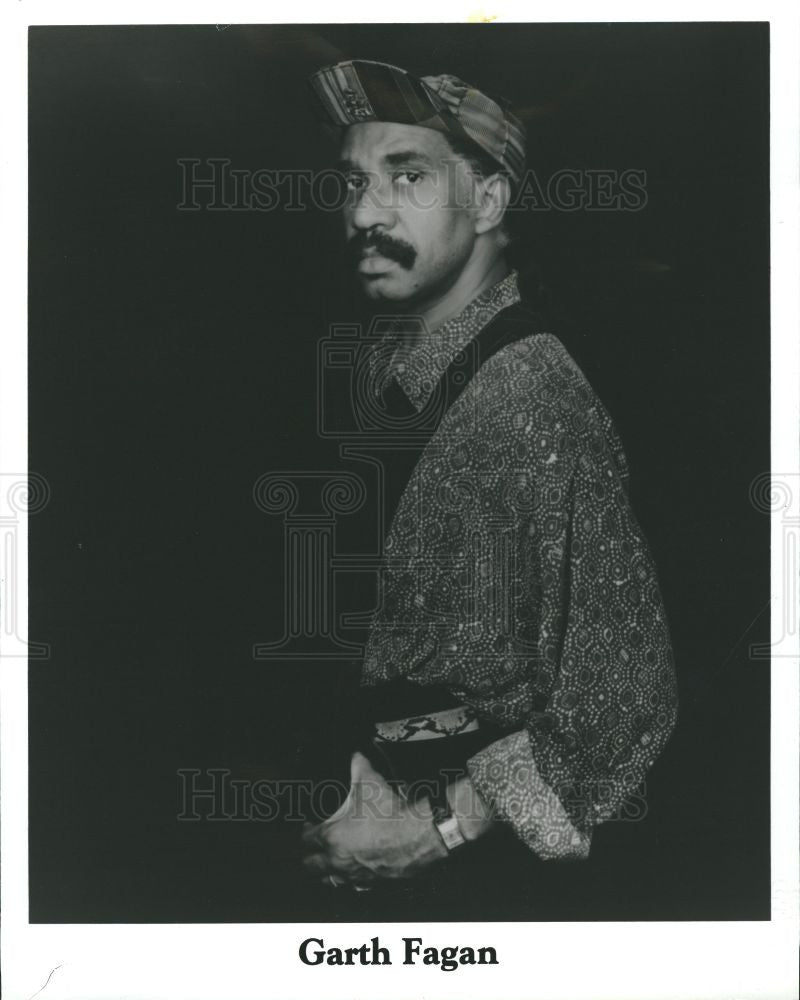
[172,364]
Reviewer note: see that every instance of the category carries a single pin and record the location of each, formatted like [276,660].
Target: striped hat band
[357,91]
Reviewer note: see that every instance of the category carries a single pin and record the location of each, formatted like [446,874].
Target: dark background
[172,363]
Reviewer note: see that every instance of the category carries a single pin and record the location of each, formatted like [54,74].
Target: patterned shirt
[420,360]
[517,576]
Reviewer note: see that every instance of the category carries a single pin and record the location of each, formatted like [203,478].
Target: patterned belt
[431,726]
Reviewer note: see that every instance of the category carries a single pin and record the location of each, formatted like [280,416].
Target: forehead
[370,142]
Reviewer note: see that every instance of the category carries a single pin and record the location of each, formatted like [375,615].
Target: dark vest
[513,323]
[400,699]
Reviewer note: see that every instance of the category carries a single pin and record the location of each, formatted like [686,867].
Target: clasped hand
[375,834]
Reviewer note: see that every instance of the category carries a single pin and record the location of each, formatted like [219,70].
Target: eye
[406,177]
[355,182]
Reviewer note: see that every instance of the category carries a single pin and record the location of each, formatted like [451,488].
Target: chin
[387,288]
[384,291]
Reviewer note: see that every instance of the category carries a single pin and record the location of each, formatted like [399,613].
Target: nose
[371,207]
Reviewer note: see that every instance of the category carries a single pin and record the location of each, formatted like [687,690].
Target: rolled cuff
[506,776]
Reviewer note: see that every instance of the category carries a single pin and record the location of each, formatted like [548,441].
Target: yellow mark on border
[480,17]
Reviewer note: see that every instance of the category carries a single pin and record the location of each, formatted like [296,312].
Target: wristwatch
[444,820]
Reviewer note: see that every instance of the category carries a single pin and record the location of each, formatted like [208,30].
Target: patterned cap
[362,91]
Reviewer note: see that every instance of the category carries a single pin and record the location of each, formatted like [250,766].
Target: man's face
[408,219]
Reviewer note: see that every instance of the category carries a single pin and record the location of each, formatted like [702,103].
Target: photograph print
[399,398]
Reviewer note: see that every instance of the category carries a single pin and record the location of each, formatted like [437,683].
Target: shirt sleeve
[505,774]
[604,693]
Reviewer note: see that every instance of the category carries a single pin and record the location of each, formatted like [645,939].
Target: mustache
[387,246]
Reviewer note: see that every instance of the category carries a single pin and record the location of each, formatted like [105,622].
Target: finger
[333,881]
[311,835]
[317,864]
[362,770]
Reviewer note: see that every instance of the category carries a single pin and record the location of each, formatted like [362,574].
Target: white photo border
[666,960]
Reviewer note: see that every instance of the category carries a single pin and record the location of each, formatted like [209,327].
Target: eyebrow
[400,158]
[407,156]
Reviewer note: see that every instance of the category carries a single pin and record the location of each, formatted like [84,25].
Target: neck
[479,274]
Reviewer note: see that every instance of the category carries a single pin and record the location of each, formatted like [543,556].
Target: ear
[493,198]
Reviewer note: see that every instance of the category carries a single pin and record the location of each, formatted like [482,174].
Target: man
[520,634]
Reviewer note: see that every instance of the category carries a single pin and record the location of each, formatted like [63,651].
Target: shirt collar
[419,366]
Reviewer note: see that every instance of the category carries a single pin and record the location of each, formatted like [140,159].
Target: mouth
[372,262]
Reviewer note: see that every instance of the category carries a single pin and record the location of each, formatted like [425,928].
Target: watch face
[450,833]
